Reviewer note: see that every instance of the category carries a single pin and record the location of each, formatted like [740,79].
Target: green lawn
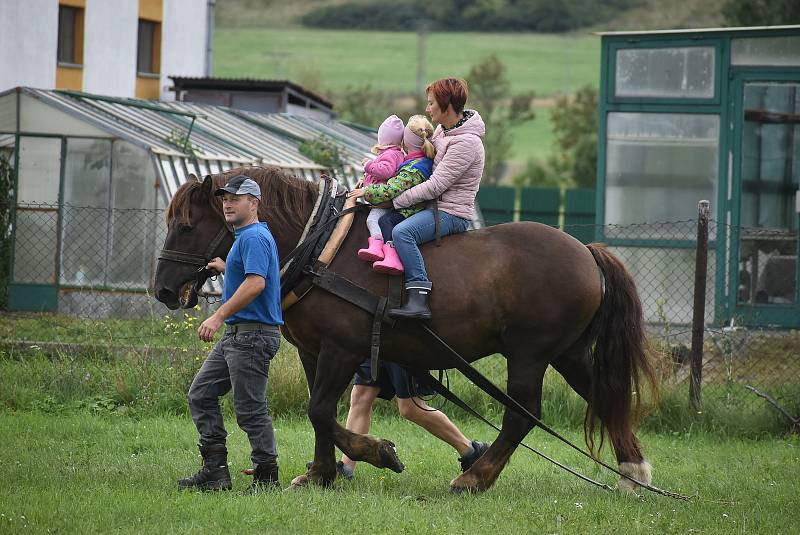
[544,63]
[97,474]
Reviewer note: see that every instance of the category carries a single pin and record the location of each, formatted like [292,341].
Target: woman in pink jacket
[457,171]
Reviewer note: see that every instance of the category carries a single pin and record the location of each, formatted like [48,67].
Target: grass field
[88,474]
[332,60]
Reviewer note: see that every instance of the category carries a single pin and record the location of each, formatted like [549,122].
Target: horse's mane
[283,196]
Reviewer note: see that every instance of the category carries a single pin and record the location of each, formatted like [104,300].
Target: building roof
[246,84]
[187,137]
[701,30]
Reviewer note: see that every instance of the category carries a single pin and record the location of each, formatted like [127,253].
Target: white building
[122,48]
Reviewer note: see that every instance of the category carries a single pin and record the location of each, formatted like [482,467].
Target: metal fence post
[699,308]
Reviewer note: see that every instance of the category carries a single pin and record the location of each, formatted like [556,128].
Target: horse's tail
[620,362]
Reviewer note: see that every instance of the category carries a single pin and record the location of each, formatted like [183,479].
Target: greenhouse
[688,115]
[94,174]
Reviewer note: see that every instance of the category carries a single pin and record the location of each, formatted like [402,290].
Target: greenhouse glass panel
[39,170]
[685,72]
[766,51]
[658,167]
[132,229]
[84,231]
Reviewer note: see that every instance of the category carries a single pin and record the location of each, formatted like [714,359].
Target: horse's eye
[185,228]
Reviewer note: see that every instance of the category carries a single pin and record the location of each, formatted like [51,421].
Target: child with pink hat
[378,171]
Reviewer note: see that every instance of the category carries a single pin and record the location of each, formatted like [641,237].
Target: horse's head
[195,225]
[196,233]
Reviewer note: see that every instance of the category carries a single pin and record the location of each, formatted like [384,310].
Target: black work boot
[416,306]
[214,474]
[265,477]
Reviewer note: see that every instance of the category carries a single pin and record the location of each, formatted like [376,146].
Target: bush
[6,188]
[761,12]
[490,94]
[397,16]
[468,15]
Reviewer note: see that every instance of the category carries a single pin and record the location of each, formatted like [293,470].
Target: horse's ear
[207,184]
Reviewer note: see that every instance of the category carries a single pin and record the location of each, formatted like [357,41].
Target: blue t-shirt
[254,253]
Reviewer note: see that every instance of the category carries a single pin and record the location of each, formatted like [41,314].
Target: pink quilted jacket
[384,167]
[457,170]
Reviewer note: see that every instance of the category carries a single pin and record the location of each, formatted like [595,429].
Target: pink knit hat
[390,131]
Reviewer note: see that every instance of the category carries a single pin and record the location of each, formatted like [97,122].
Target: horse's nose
[168,297]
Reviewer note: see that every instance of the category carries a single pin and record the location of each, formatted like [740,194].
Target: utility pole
[423,27]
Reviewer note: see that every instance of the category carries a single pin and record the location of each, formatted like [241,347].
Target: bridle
[203,273]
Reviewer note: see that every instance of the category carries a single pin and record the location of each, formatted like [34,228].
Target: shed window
[658,166]
[768,51]
[70,35]
[684,72]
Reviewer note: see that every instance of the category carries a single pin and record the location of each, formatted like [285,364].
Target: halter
[202,273]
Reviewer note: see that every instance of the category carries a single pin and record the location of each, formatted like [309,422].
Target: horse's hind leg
[576,367]
[525,376]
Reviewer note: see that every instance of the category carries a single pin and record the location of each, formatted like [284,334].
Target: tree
[573,162]
[575,124]
[761,12]
[490,94]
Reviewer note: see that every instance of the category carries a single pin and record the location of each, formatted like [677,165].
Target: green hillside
[329,61]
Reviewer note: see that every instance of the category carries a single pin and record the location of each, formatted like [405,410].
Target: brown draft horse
[525,290]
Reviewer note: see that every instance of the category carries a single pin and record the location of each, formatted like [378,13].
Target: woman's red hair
[449,92]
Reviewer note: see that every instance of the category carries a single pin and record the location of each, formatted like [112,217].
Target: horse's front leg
[335,369]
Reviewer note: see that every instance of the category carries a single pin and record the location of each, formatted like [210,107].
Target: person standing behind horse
[251,312]
[457,171]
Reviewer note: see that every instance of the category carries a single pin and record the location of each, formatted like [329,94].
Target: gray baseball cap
[240,185]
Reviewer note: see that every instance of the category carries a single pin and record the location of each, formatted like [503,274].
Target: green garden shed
[713,114]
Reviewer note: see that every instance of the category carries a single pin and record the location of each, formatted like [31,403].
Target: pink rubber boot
[374,250]
[391,264]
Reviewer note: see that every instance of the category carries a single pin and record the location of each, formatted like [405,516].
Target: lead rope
[490,388]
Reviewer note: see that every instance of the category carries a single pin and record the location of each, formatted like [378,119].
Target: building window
[149,47]
[70,35]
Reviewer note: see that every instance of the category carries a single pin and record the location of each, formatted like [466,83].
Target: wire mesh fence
[97,265]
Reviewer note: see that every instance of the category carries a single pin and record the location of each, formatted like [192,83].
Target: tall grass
[138,385]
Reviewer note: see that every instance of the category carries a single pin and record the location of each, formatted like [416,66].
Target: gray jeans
[238,362]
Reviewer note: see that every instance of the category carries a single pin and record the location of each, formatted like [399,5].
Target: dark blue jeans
[418,229]
[388,221]
[238,362]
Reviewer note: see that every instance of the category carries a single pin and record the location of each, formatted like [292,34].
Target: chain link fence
[97,265]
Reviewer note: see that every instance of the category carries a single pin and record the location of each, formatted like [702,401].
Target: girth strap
[375,348]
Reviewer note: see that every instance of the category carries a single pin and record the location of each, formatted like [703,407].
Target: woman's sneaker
[478,449]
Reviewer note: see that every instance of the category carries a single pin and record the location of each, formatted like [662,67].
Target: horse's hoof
[300,481]
[642,472]
[467,483]
[389,459]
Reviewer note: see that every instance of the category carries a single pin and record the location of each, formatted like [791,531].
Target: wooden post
[699,309]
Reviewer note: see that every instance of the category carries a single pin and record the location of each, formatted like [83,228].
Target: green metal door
[766,174]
